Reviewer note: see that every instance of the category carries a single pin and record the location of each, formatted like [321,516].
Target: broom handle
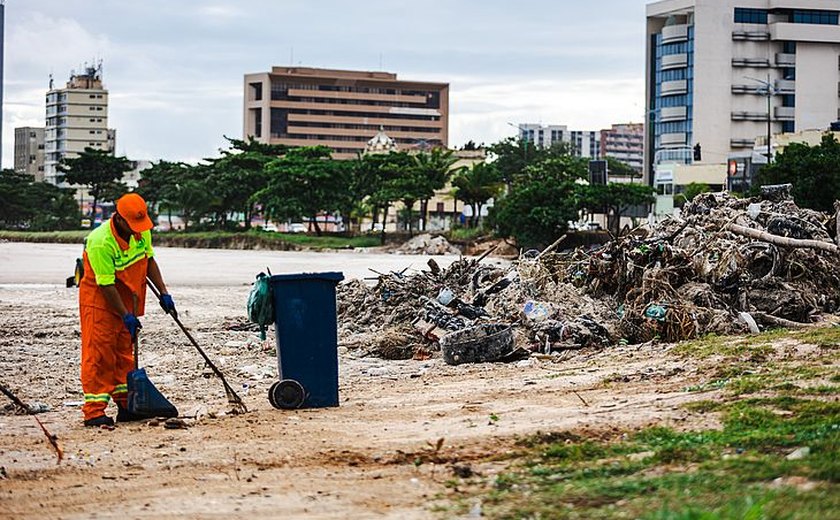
[135,341]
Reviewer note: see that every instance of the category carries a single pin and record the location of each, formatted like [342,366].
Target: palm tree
[476,185]
[436,167]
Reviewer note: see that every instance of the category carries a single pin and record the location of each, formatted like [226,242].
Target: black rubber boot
[102,420]
[123,415]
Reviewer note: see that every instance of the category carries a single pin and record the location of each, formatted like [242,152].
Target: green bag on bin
[261,303]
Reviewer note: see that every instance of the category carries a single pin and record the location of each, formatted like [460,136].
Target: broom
[232,397]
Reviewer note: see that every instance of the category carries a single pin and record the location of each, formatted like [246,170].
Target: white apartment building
[584,143]
[710,64]
[77,118]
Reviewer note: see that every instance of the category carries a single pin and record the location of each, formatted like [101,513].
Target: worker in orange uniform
[118,256]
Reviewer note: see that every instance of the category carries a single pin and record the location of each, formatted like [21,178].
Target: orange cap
[132,208]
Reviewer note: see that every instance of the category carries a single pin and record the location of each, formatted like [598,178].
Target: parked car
[297,227]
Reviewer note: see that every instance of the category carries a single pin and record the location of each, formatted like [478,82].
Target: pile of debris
[725,266]
[425,244]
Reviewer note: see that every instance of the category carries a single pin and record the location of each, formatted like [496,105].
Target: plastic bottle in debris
[445,296]
[536,311]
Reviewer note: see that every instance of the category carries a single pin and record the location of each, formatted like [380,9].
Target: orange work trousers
[107,358]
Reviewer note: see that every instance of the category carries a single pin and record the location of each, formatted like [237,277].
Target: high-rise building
[584,143]
[713,67]
[342,109]
[625,142]
[77,118]
[29,151]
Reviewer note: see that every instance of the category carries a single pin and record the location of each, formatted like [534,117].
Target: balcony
[741,143]
[754,36]
[784,59]
[672,114]
[674,61]
[674,33]
[672,139]
[672,88]
[785,86]
[756,63]
[744,115]
[785,113]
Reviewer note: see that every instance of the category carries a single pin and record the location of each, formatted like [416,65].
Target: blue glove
[166,303]
[132,324]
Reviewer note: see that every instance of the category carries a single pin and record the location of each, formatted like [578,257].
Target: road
[51,264]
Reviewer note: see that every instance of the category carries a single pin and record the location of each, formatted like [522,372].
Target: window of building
[256,91]
[99,108]
[745,15]
[93,96]
[815,17]
[789,47]
[279,122]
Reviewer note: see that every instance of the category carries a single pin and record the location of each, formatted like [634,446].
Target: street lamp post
[768,91]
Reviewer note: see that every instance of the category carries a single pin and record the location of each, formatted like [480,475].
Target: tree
[475,186]
[26,204]
[541,201]
[158,186]
[95,169]
[240,173]
[513,155]
[614,199]
[304,183]
[621,169]
[388,171]
[434,170]
[814,172]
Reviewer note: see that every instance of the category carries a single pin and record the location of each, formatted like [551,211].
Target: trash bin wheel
[286,394]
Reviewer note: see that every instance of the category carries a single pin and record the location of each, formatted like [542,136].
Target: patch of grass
[759,345]
[251,239]
[739,471]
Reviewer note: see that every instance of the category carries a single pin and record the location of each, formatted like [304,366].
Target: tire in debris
[479,344]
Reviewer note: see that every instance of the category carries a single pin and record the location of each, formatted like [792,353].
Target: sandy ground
[372,457]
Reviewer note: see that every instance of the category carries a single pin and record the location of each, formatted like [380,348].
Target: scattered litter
[724,266]
[799,453]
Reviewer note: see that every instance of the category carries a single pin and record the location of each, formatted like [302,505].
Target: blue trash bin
[306,331]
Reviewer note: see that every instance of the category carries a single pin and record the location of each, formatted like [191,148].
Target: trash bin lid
[331,276]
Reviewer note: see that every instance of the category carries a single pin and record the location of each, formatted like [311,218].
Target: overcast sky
[174,68]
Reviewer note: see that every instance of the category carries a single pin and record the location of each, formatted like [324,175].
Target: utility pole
[2,40]
[768,91]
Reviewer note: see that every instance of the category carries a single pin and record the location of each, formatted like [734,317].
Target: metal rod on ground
[53,440]
[232,396]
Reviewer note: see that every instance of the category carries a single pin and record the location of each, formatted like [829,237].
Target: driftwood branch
[553,246]
[776,321]
[782,241]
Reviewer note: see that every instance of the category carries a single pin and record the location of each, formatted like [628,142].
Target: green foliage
[693,189]
[614,199]
[36,206]
[303,183]
[621,169]
[97,170]
[475,186]
[813,171]
[541,201]
[512,156]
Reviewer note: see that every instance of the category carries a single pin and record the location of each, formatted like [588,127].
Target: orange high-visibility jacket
[110,260]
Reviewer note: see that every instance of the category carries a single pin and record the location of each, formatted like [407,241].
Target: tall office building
[625,143]
[342,109]
[29,151]
[710,63]
[77,118]
[584,143]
